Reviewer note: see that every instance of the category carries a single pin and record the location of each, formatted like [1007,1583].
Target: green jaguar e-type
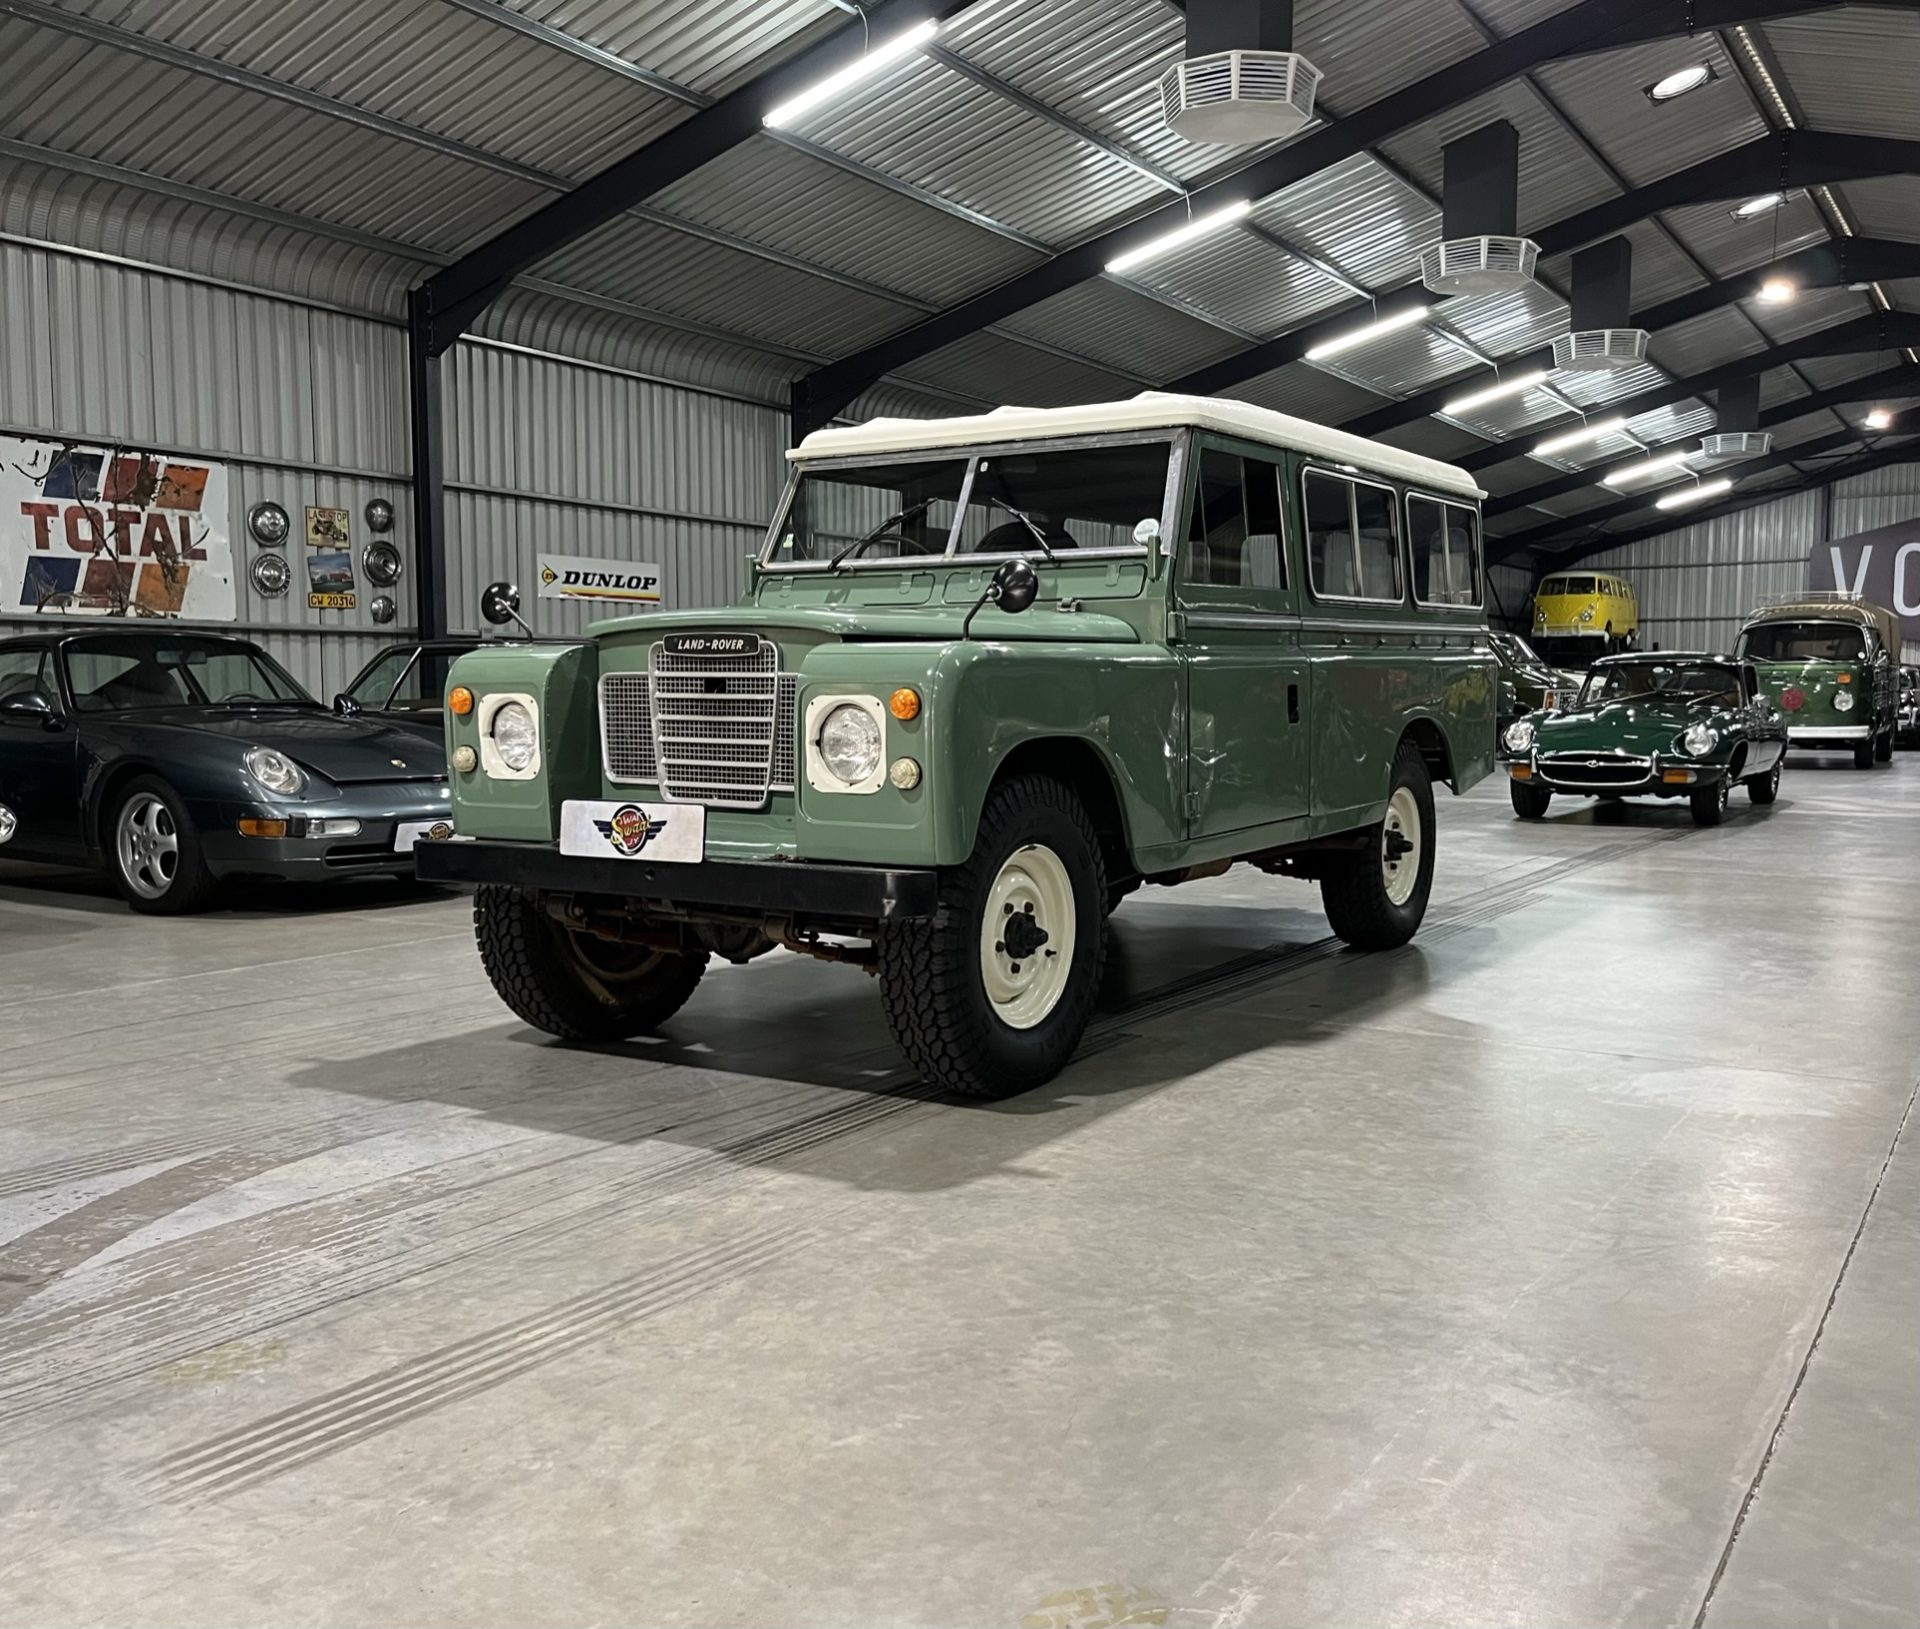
[1659,725]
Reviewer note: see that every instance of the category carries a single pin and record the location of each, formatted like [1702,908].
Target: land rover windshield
[1804,642]
[1012,500]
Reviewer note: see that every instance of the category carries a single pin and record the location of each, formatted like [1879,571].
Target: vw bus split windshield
[1015,501]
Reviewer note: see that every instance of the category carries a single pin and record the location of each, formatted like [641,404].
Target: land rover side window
[1072,497]
[1444,541]
[1234,536]
[882,511]
[1353,543]
[1803,642]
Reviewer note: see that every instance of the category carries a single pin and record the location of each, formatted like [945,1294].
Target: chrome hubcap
[1400,845]
[1027,936]
[148,846]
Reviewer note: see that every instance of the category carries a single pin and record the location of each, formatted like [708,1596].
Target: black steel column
[429,470]
[1603,287]
[1738,404]
[1480,184]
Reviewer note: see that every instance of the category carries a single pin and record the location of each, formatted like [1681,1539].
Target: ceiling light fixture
[1652,466]
[1694,494]
[787,112]
[1573,438]
[1493,393]
[1765,204]
[1778,291]
[1879,419]
[1198,227]
[1680,81]
[1372,331]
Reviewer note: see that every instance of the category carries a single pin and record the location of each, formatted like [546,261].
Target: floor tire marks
[340,1419]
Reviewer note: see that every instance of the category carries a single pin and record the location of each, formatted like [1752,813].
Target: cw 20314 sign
[112,531]
[575,577]
[1881,566]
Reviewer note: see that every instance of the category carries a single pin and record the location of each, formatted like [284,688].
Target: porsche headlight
[1519,736]
[275,771]
[850,743]
[516,736]
[1843,701]
[1700,739]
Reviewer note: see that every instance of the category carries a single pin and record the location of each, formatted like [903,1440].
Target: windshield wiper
[913,511]
[1025,520]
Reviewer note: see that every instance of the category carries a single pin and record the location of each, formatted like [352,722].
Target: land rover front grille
[710,729]
[1593,769]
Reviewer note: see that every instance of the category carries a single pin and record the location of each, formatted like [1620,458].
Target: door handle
[1293,704]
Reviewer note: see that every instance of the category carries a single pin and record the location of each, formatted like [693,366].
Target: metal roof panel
[1854,68]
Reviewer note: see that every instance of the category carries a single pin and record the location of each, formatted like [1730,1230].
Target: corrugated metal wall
[305,405]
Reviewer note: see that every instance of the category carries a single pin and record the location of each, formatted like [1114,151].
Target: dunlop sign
[1882,566]
[573,577]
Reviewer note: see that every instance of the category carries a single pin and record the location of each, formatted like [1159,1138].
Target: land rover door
[1248,686]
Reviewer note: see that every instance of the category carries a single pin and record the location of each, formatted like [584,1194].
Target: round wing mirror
[1017,583]
[1147,532]
[499,603]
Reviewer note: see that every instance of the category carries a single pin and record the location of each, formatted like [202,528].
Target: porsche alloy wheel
[154,851]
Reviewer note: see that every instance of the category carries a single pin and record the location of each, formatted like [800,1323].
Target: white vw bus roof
[1150,410]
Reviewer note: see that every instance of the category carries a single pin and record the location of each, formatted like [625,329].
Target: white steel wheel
[148,845]
[1027,935]
[1401,841]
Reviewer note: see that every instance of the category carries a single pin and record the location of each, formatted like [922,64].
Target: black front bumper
[828,892]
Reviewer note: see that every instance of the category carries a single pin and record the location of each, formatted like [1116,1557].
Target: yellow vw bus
[1581,615]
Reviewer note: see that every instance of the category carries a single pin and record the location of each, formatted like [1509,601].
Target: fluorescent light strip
[1493,393]
[1573,438]
[1694,494]
[1198,227]
[778,118]
[1372,331]
[1653,466]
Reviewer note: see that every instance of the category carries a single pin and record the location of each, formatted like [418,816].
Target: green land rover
[990,675]
[1831,663]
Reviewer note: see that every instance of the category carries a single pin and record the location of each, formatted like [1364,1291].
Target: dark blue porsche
[173,760]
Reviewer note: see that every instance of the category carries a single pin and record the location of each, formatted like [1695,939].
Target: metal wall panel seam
[608,506]
[252,460]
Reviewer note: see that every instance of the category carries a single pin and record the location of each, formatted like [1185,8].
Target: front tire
[1763,789]
[1709,804]
[1883,748]
[154,851]
[1529,802]
[991,995]
[1375,899]
[1863,755]
[571,984]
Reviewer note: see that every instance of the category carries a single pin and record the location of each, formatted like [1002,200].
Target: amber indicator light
[263,828]
[460,699]
[904,704]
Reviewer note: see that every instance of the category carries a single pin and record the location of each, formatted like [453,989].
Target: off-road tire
[1709,804]
[193,886]
[931,984]
[1763,789]
[1529,802]
[536,968]
[1353,889]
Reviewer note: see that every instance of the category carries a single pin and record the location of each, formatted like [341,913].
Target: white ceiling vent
[1730,446]
[1236,98]
[1491,265]
[1600,350]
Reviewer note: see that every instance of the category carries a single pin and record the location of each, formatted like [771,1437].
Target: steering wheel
[901,538]
[241,695]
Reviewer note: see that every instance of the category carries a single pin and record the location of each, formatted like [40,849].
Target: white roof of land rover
[1150,410]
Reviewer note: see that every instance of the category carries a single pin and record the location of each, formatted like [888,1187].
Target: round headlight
[1700,739]
[1586,614]
[275,771]
[1519,736]
[515,736]
[1843,701]
[850,743]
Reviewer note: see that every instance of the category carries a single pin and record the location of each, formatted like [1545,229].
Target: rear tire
[1709,804]
[1529,802]
[154,852]
[1763,789]
[1375,898]
[975,1010]
[570,984]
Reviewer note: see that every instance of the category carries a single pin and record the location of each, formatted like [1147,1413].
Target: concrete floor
[1558,1269]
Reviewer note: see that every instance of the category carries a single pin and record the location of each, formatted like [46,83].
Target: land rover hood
[933,622]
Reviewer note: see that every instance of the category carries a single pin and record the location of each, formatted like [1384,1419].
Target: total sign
[573,577]
[1882,567]
[112,531]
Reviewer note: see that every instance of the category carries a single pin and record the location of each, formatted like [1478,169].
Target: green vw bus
[1831,663]
[990,675]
